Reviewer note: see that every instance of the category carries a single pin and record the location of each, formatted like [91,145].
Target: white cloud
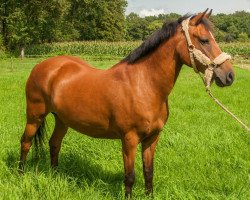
[151,12]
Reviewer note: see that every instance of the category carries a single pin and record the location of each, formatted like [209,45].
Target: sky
[156,7]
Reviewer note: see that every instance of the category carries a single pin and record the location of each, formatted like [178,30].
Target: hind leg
[35,114]
[56,140]
[26,141]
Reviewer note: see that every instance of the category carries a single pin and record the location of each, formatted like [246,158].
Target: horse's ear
[209,14]
[197,19]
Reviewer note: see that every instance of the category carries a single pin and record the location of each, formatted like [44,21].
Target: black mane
[161,35]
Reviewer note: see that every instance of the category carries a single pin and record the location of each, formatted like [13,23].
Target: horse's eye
[204,41]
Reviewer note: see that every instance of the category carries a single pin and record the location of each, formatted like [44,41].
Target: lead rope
[228,111]
[202,58]
[208,90]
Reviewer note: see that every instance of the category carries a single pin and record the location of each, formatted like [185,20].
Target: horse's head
[198,49]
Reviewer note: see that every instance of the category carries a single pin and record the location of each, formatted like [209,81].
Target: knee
[25,145]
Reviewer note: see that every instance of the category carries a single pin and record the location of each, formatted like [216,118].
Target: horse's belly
[97,131]
[93,125]
[85,112]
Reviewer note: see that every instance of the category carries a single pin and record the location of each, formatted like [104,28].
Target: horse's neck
[162,68]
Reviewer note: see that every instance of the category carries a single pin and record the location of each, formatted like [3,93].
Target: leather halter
[196,54]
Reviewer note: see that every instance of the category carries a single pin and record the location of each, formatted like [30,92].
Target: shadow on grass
[11,160]
[75,168]
[33,162]
[83,171]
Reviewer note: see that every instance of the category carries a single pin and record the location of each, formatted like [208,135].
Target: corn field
[119,49]
[83,48]
[237,48]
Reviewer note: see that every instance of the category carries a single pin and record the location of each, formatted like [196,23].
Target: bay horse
[129,101]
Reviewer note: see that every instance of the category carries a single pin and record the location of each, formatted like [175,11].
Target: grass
[202,153]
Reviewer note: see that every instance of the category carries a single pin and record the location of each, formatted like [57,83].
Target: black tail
[40,139]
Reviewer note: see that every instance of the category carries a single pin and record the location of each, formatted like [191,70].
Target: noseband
[196,54]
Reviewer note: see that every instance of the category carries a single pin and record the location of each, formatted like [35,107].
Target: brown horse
[128,101]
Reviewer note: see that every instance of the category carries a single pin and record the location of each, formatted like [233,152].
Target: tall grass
[202,152]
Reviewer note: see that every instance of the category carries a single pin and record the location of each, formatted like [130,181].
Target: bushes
[3,55]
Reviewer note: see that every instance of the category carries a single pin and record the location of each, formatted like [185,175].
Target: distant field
[202,153]
[119,49]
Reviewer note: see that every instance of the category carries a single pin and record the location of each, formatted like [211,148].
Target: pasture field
[202,153]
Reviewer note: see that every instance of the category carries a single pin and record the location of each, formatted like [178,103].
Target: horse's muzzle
[223,80]
[230,78]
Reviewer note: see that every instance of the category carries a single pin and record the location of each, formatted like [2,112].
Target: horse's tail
[40,139]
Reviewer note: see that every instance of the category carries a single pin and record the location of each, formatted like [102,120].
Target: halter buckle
[213,65]
[191,48]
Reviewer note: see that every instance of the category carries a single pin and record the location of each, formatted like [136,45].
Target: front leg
[148,149]
[129,145]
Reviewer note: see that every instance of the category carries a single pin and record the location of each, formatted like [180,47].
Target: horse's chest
[146,121]
[148,126]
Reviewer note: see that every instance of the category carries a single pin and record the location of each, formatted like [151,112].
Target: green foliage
[1,42]
[29,22]
[154,25]
[98,20]
[32,22]
[120,49]
[231,25]
[243,37]
[227,27]
[140,28]
[3,55]
[2,48]
[219,35]
[25,23]
[135,27]
[83,48]
[236,48]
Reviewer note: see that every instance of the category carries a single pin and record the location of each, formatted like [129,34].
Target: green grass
[202,153]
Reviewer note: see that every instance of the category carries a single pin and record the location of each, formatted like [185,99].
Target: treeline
[28,22]
[227,27]
[24,22]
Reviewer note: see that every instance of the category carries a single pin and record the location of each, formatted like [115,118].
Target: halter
[202,58]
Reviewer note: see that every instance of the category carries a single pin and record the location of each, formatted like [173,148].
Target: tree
[153,26]
[243,37]
[98,20]
[135,27]
[25,22]
[232,24]
[34,21]
[227,27]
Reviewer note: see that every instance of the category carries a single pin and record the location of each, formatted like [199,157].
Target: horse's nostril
[230,78]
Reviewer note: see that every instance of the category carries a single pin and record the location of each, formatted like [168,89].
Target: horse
[128,101]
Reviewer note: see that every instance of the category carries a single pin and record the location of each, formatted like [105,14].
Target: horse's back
[51,65]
